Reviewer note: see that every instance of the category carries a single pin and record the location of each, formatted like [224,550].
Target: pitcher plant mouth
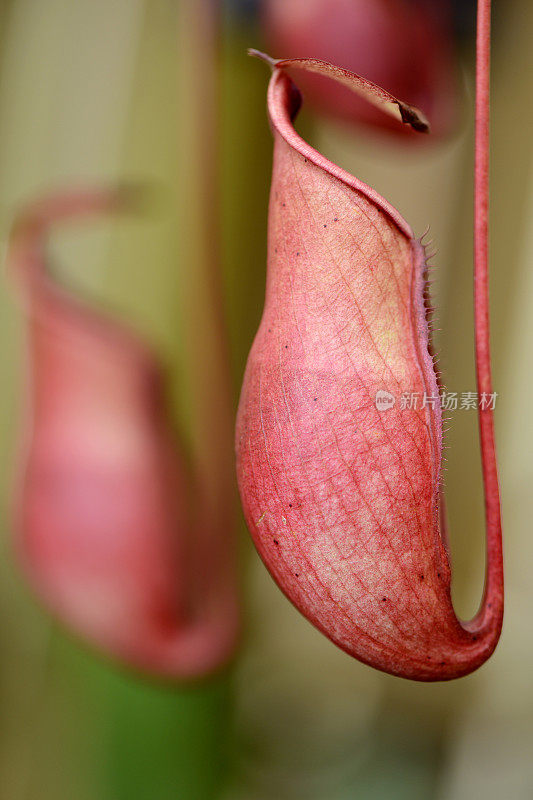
[342,497]
[105,525]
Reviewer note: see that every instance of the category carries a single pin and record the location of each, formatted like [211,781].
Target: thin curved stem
[491,613]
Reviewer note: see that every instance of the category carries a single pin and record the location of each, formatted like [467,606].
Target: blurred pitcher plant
[108,532]
[127,538]
[340,479]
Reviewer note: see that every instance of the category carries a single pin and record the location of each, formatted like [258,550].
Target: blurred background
[107,90]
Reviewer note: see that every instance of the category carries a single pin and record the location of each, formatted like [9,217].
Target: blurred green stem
[163,742]
[206,352]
